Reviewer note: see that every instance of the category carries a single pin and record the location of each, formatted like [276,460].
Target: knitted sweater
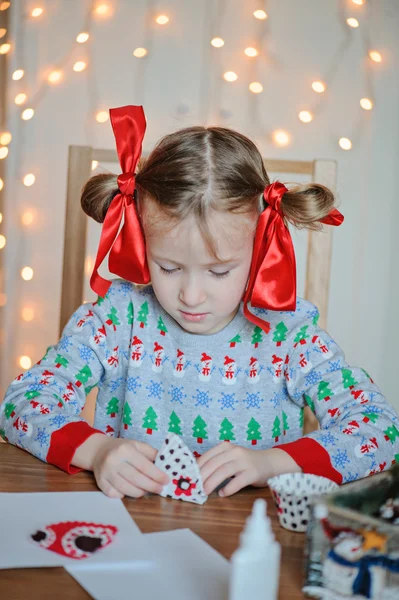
[239,385]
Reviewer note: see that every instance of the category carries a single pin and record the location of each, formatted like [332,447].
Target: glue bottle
[255,565]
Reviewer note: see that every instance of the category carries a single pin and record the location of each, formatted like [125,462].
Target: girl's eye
[168,271]
[220,275]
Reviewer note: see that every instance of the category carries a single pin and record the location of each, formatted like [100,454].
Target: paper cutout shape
[74,539]
[177,461]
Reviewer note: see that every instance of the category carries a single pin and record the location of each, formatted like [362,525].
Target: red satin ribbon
[127,257]
[272,278]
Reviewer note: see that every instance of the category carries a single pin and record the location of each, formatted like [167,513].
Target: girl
[218,349]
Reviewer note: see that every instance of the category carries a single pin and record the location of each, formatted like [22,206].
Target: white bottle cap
[320,511]
[258,529]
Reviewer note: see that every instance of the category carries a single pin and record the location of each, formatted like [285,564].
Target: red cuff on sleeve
[64,442]
[312,458]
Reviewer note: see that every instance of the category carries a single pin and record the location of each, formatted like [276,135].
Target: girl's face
[200,292]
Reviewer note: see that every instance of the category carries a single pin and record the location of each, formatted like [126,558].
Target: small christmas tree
[199,429]
[235,340]
[391,433]
[32,394]
[323,391]
[301,417]
[315,319]
[127,414]
[310,403]
[113,407]
[9,410]
[174,424]
[83,375]
[280,334]
[61,361]
[161,326]
[347,378]
[301,336]
[143,314]
[253,431]
[373,417]
[113,318]
[150,420]
[3,435]
[226,431]
[276,429]
[285,423]
[130,313]
[257,336]
[99,300]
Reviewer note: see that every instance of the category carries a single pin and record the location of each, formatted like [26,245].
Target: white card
[184,567]
[179,463]
[22,515]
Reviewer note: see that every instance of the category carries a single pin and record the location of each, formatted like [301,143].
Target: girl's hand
[245,466]
[125,467]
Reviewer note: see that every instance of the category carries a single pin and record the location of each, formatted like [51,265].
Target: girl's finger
[221,474]
[240,481]
[108,489]
[138,479]
[214,463]
[147,450]
[125,487]
[147,467]
[215,451]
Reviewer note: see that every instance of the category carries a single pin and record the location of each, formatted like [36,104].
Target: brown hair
[197,169]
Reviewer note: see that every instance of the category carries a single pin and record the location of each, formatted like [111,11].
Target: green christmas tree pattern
[32,394]
[315,319]
[235,340]
[301,417]
[301,336]
[161,326]
[113,407]
[9,410]
[61,361]
[127,415]
[143,314]
[285,423]
[99,300]
[347,379]
[323,391]
[113,318]
[373,417]
[253,432]
[276,432]
[130,313]
[226,431]
[280,334]
[257,336]
[174,424]
[391,433]
[150,420]
[310,403]
[3,435]
[83,376]
[199,429]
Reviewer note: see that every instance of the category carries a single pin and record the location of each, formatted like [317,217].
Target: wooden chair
[79,171]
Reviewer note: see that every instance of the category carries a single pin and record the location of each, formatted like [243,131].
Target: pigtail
[304,205]
[97,195]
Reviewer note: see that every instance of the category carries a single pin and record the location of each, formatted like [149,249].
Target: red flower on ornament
[184,486]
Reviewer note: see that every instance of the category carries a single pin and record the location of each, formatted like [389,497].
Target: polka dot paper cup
[293,494]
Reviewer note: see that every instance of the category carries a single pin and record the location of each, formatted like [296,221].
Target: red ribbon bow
[272,278]
[127,256]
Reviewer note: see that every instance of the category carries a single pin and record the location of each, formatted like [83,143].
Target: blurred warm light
[281,138]
[366,103]
[27,114]
[82,37]
[4,48]
[260,14]
[5,138]
[162,20]
[102,9]
[79,66]
[217,42]
[36,12]
[3,299]
[1,217]
[27,314]
[319,86]
[352,22]
[140,52]
[27,273]
[256,87]
[27,218]
[2,242]
[358,2]
[345,143]
[251,52]
[1,187]
[94,164]
[3,152]
[3,31]
[89,265]
[4,5]
[20,98]
[54,77]
[230,76]
[305,116]
[29,179]
[25,362]
[18,74]
[102,116]
[375,56]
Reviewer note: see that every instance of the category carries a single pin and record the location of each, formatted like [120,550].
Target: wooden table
[219,522]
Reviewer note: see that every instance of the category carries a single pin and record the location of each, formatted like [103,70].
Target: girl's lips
[193,316]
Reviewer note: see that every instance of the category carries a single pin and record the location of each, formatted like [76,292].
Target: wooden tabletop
[219,522]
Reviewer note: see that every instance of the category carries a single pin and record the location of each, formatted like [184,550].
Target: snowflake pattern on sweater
[240,385]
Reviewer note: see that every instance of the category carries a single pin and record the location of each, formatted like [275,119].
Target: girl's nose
[192,293]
